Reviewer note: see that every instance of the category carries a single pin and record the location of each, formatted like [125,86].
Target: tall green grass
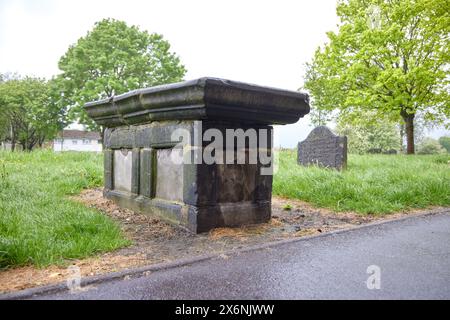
[39,224]
[372,184]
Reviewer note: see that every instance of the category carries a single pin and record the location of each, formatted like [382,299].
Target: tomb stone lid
[201,99]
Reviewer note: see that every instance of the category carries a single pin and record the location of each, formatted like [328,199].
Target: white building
[77,140]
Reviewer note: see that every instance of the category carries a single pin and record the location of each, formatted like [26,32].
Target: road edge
[146,270]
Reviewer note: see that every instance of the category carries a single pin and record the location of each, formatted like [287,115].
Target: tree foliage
[445,143]
[388,56]
[112,59]
[29,111]
[367,135]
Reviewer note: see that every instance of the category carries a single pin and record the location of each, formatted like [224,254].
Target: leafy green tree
[322,95]
[445,143]
[319,117]
[112,59]
[391,57]
[4,123]
[366,135]
[29,111]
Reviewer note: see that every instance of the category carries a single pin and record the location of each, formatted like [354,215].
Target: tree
[4,123]
[4,118]
[29,111]
[112,59]
[322,95]
[388,56]
[366,135]
[445,143]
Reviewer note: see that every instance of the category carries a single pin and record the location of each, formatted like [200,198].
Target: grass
[39,224]
[372,184]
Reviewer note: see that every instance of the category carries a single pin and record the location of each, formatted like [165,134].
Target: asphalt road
[413,257]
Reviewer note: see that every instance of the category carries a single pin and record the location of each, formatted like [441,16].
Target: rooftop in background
[79,134]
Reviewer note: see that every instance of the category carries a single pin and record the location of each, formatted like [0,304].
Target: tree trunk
[408,118]
[402,136]
[41,140]
[13,139]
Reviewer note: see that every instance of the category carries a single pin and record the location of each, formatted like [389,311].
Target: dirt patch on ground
[156,241]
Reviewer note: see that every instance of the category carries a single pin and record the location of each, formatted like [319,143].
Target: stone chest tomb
[163,153]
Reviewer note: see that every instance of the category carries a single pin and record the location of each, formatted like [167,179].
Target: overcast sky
[262,42]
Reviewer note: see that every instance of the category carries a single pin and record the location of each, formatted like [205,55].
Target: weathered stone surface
[322,147]
[201,99]
[107,169]
[122,165]
[197,196]
[169,175]
[146,172]
[139,144]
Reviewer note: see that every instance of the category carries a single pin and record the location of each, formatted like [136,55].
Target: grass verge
[39,224]
[372,184]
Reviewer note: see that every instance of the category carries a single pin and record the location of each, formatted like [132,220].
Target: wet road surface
[412,257]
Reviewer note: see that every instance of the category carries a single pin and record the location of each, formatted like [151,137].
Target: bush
[371,138]
[445,143]
[429,146]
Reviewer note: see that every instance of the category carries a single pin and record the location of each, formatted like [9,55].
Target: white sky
[256,41]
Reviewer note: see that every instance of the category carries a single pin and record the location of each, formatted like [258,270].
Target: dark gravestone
[322,147]
[142,167]
[374,150]
[390,151]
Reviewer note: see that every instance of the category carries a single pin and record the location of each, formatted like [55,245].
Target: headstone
[374,150]
[146,169]
[322,147]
